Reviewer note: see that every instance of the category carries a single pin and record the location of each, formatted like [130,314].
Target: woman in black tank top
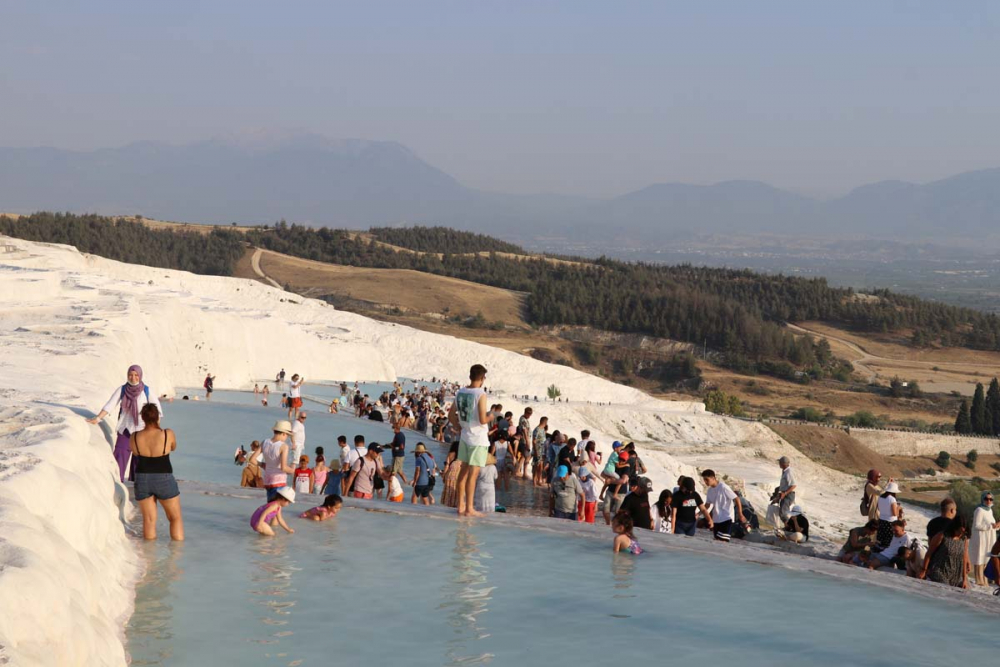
[154,478]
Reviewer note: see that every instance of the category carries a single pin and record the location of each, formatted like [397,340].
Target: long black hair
[664,502]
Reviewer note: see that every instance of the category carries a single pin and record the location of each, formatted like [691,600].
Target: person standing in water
[132,396]
[469,413]
[209,386]
[276,467]
[295,396]
[154,476]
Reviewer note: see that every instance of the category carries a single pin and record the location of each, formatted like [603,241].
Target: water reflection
[150,629]
[465,599]
[271,587]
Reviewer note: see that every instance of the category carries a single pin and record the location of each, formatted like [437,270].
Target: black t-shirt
[937,525]
[687,505]
[637,506]
[567,456]
[802,522]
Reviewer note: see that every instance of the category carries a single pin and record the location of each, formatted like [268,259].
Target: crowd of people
[489,448]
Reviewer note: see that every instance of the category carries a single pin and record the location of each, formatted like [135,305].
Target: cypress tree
[993,407]
[978,414]
[963,424]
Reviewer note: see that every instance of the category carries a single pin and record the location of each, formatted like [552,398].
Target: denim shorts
[689,529]
[159,485]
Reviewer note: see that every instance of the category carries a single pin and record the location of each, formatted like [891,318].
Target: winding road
[255,263]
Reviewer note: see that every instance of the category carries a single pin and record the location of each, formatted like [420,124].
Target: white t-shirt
[345,456]
[721,497]
[295,389]
[395,488]
[885,508]
[589,492]
[474,434]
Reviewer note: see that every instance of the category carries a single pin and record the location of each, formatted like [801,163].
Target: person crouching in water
[269,514]
[624,539]
[395,493]
[329,509]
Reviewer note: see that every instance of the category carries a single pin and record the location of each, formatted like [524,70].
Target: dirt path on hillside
[255,263]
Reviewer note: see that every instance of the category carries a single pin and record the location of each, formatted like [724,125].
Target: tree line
[736,312]
[442,239]
[982,417]
[215,253]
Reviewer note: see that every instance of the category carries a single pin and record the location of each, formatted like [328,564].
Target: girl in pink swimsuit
[268,514]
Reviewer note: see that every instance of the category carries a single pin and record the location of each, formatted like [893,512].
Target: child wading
[624,539]
[269,514]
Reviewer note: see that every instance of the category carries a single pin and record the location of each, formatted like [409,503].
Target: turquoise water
[375,588]
[208,434]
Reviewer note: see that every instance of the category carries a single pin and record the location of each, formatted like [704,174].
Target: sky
[585,98]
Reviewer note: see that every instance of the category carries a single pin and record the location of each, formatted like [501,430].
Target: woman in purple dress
[131,396]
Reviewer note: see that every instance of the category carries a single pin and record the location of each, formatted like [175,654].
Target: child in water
[624,539]
[328,510]
[395,488]
[304,478]
[268,514]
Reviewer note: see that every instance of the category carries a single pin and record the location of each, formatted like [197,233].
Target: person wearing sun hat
[275,451]
[423,475]
[267,515]
[889,511]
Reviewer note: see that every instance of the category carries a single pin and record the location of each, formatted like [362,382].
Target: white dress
[983,536]
[485,499]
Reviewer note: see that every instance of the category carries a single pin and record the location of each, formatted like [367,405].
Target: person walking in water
[276,467]
[154,476]
[470,413]
[132,396]
[298,437]
[209,385]
[295,396]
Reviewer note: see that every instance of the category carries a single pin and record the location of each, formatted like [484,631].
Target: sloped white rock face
[70,325]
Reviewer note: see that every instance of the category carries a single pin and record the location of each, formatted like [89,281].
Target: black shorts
[723,530]
[422,490]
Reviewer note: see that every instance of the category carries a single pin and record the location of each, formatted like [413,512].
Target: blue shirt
[424,466]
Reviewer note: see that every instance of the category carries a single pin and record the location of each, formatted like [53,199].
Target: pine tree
[993,407]
[978,414]
[963,423]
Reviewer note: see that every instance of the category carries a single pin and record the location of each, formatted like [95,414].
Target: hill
[310,179]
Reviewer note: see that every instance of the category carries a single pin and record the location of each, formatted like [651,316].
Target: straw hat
[282,426]
[419,449]
[287,492]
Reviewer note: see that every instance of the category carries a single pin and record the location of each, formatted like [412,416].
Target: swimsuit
[633,547]
[268,518]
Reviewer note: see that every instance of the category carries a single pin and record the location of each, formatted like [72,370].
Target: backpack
[866,503]
[145,390]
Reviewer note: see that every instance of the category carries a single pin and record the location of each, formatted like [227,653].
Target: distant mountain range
[311,179]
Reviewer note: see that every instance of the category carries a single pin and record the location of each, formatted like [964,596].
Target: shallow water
[208,434]
[368,587]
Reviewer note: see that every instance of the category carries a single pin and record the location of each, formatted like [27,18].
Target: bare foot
[473,514]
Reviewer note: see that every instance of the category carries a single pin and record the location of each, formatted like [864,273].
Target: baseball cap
[615,444]
[584,472]
[562,471]
[375,447]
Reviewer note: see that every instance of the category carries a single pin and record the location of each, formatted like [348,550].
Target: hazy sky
[579,97]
